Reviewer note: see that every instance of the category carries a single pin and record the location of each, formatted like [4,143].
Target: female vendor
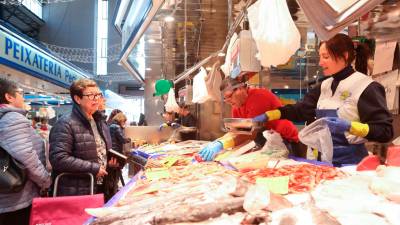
[353,105]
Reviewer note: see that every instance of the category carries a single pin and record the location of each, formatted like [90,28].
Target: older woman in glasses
[246,103]
[79,141]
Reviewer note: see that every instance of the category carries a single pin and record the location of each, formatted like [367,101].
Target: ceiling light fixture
[286,86]
[169,19]
[148,69]
[221,54]
[208,68]
[151,40]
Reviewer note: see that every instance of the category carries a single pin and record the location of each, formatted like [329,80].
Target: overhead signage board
[24,56]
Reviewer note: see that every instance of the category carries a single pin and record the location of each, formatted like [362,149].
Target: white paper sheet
[383,58]
[389,82]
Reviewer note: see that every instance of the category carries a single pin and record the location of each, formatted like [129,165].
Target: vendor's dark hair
[142,120]
[341,43]
[79,85]
[7,87]
[184,106]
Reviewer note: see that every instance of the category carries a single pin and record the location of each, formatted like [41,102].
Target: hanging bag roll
[274,31]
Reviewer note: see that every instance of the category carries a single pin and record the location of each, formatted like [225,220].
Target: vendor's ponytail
[341,46]
[362,55]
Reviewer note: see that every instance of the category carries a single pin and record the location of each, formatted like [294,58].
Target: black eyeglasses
[228,94]
[94,96]
[228,91]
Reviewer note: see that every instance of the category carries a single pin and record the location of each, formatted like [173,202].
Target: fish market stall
[186,191]
[209,193]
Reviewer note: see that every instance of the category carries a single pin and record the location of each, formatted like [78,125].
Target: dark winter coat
[73,150]
[118,137]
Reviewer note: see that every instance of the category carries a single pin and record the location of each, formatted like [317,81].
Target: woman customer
[111,116]
[118,141]
[353,105]
[79,142]
[19,139]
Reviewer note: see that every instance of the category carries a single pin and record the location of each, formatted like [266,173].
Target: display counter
[211,193]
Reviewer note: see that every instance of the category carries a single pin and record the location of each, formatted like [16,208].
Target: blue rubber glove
[175,125]
[261,118]
[162,126]
[209,152]
[337,125]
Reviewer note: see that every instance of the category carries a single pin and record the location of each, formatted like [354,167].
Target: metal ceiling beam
[114,78]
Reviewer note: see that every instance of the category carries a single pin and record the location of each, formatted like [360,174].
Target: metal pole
[162,50]
[229,14]
[232,30]
[186,73]
[301,59]
[184,37]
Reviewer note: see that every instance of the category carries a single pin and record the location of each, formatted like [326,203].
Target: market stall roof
[42,99]
[114,100]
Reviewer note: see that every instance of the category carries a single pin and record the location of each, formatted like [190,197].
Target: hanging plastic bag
[274,31]
[213,81]
[274,145]
[318,136]
[171,105]
[200,93]
[226,67]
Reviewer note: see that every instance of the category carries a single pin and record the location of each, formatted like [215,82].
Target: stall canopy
[127,106]
[43,99]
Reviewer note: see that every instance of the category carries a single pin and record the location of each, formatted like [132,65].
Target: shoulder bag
[12,173]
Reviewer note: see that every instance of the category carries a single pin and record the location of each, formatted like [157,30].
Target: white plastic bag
[318,136]
[274,31]
[274,145]
[171,105]
[226,68]
[396,141]
[213,81]
[200,93]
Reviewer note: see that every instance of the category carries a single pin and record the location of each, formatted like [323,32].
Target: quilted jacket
[73,150]
[21,141]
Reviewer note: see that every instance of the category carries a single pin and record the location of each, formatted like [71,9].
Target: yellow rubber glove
[273,114]
[268,116]
[227,142]
[359,129]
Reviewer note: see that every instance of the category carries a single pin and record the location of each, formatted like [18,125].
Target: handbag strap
[4,156]
[4,160]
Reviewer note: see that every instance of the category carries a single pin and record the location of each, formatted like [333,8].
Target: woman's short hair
[79,85]
[119,118]
[7,87]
